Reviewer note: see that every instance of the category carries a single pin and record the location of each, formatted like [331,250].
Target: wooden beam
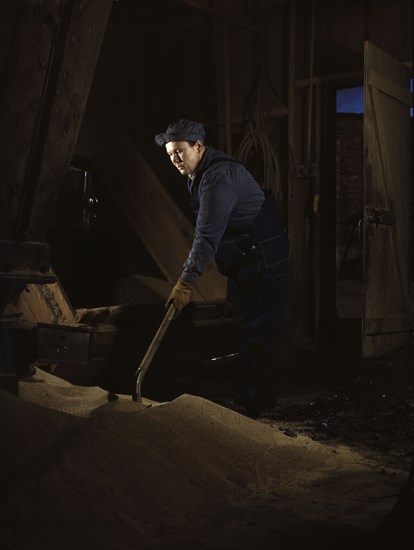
[228,10]
[298,198]
[356,76]
[86,29]
[387,86]
[25,66]
[227,88]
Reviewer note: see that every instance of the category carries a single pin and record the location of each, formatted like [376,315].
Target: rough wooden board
[386,189]
[46,304]
[29,41]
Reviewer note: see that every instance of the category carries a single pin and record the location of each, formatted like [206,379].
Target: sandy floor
[81,469]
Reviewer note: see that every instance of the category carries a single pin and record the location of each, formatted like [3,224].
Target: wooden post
[297,309]
[85,32]
[227,87]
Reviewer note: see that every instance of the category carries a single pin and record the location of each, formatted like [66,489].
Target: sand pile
[79,471]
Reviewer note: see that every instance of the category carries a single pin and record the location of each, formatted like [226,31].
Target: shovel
[151,351]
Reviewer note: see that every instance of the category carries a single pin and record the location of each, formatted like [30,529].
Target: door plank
[387,86]
[386,313]
[386,187]
[388,325]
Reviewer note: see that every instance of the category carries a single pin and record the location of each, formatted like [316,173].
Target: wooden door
[386,309]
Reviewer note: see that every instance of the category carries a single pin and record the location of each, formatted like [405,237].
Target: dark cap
[182,130]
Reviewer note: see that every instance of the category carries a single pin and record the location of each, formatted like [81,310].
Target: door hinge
[305,171]
[379,216]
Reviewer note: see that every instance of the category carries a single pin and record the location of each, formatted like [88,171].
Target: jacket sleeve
[217,199]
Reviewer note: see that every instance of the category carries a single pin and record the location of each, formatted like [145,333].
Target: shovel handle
[151,351]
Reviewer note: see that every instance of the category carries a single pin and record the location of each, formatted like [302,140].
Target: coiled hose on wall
[256,148]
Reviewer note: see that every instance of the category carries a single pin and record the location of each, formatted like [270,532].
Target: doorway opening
[349,202]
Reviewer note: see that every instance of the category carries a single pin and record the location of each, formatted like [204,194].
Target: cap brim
[163,139]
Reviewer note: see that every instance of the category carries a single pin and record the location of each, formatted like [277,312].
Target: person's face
[185,156]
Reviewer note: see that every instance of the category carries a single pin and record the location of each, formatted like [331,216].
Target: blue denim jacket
[225,198]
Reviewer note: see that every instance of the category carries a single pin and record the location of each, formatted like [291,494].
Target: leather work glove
[180,295]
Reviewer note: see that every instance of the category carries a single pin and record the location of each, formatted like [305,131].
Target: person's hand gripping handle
[180,296]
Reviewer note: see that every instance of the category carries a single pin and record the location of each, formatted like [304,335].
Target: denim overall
[255,261]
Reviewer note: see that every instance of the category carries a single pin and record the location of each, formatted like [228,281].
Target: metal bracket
[379,216]
[305,171]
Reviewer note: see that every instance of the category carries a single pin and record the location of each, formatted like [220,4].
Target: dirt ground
[372,408]
[83,468]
